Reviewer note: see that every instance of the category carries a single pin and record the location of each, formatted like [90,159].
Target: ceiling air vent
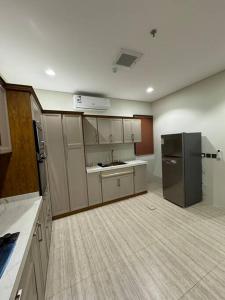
[127,58]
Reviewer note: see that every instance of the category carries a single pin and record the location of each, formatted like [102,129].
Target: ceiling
[79,39]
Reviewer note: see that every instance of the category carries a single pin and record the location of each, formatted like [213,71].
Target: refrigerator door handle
[170,161]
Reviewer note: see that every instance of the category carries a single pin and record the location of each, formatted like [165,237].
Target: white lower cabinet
[94,188]
[140,182]
[117,184]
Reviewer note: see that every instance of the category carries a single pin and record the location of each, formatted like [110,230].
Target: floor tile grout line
[208,273]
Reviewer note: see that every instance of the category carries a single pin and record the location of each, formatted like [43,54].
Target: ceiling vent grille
[127,58]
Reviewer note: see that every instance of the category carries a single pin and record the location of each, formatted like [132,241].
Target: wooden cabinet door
[75,161]
[140,183]
[56,164]
[136,130]
[94,188]
[5,138]
[90,131]
[27,286]
[127,130]
[104,131]
[117,131]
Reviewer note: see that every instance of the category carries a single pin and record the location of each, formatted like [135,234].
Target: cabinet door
[110,189]
[5,138]
[41,236]
[94,188]
[72,129]
[127,130]
[117,184]
[36,258]
[75,161]
[90,131]
[126,183]
[27,286]
[136,130]
[117,131]
[104,131]
[36,112]
[140,183]
[56,164]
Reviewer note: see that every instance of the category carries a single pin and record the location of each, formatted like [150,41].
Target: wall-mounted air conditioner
[94,103]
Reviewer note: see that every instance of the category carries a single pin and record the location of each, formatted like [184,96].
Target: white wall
[200,107]
[51,100]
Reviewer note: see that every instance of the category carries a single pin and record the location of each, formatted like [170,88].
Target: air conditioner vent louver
[127,58]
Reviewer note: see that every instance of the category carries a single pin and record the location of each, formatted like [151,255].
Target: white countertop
[131,163]
[17,214]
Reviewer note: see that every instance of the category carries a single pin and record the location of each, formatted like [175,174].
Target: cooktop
[7,244]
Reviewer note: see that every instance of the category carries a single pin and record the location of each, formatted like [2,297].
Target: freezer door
[172,145]
[173,181]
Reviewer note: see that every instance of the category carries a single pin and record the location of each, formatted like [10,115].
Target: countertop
[17,214]
[131,163]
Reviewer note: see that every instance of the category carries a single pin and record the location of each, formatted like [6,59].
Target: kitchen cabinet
[41,237]
[94,188]
[27,286]
[48,218]
[132,130]
[140,182]
[90,131]
[5,138]
[56,164]
[75,161]
[117,184]
[110,130]
[36,112]
[36,258]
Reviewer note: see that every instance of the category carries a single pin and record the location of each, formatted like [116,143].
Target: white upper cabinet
[136,130]
[104,131]
[72,129]
[110,131]
[5,139]
[117,131]
[90,131]
[132,130]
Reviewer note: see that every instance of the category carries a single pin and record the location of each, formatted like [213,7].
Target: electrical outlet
[208,155]
[214,155]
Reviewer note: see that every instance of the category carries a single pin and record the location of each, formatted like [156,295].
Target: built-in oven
[41,156]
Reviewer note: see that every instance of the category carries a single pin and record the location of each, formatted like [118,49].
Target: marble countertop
[131,163]
[17,214]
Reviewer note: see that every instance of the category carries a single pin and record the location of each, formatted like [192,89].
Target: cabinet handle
[118,182]
[19,294]
[40,239]
[96,138]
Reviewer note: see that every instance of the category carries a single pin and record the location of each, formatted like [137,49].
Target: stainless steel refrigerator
[182,168]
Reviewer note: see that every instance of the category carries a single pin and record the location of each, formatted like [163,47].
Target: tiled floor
[141,248]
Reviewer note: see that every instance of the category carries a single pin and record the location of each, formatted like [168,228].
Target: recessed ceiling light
[50,72]
[150,89]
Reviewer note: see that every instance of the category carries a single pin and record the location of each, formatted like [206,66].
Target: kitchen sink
[115,163]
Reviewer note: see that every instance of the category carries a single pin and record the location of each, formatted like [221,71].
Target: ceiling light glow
[150,89]
[50,72]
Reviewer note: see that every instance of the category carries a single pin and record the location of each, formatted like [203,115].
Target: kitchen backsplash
[102,153]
